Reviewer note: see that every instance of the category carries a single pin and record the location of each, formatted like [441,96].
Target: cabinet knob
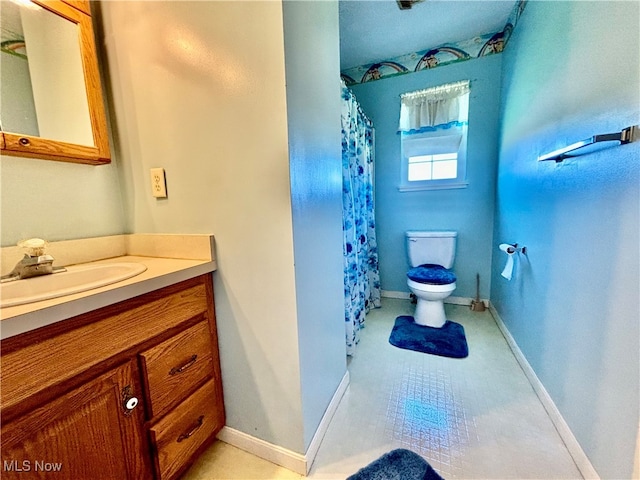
[24,141]
[129,401]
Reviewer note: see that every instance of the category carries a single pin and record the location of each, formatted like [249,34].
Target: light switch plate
[158,183]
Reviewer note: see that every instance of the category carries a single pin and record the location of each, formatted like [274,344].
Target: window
[433,131]
[433,167]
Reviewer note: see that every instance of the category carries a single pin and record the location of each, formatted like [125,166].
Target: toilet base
[430,313]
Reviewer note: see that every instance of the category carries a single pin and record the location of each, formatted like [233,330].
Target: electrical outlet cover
[158,183]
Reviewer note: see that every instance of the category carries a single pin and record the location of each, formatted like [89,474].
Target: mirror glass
[42,84]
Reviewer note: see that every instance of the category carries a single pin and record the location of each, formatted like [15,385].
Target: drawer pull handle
[181,369]
[192,430]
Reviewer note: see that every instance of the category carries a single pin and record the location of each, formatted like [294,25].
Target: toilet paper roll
[507,272]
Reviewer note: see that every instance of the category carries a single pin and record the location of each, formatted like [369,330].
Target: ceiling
[375,30]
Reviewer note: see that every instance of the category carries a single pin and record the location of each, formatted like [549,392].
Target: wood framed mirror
[52,106]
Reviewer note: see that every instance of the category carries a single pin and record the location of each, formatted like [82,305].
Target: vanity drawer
[180,434]
[175,367]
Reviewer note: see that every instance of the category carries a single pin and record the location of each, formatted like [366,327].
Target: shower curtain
[361,276]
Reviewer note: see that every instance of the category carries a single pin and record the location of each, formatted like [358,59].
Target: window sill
[437,186]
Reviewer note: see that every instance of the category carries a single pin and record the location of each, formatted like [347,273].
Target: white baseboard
[284,457]
[312,451]
[452,300]
[575,450]
[392,294]
[273,453]
[464,301]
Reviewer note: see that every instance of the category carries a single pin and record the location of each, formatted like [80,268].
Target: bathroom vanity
[130,390]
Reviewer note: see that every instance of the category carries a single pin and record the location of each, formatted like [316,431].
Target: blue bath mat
[447,341]
[398,464]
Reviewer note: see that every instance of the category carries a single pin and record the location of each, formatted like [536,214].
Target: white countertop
[161,272]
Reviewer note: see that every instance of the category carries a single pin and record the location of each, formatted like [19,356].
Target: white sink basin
[76,279]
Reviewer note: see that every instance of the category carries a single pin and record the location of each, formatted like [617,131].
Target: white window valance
[433,108]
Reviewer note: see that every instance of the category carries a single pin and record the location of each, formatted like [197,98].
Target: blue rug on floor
[447,341]
[398,464]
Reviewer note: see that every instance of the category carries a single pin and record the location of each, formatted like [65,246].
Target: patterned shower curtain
[361,276]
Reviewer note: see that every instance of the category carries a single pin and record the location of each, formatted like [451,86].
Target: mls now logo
[27,466]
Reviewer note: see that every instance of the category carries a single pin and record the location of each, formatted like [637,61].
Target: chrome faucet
[34,263]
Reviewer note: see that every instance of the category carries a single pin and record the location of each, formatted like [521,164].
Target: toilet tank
[431,247]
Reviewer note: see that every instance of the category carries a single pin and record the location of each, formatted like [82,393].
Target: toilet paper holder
[510,249]
[517,248]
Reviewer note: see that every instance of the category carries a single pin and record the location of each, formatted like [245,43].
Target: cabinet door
[87,433]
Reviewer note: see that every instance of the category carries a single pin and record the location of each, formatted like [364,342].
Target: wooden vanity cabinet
[130,391]
[81,434]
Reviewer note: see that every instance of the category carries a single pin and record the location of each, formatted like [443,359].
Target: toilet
[430,279]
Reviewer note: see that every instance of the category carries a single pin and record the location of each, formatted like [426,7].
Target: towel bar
[624,136]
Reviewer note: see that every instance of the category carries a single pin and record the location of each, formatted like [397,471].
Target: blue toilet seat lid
[431,274]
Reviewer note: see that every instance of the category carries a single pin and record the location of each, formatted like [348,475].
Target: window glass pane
[419,171]
[420,158]
[445,169]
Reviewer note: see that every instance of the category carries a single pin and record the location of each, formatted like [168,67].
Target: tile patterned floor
[472,418]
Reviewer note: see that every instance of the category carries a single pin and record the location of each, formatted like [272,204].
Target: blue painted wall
[469,211]
[315,162]
[571,70]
